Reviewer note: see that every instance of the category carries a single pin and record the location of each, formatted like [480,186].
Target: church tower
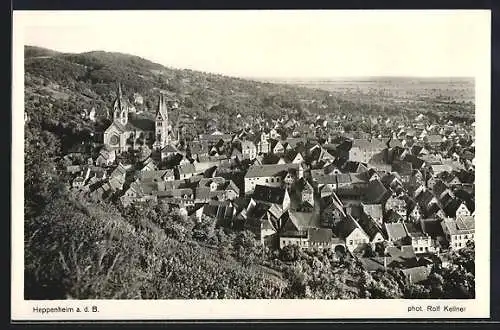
[120,108]
[162,127]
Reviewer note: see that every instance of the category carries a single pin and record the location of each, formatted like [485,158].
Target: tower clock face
[114,139]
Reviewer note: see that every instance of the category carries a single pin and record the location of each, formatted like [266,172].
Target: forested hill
[81,81]
[60,85]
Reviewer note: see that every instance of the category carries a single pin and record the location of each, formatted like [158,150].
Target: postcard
[257,164]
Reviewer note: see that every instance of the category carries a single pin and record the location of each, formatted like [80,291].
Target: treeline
[93,76]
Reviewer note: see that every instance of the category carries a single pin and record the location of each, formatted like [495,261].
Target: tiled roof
[269,170]
[369,226]
[465,222]
[417,274]
[414,229]
[320,235]
[395,231]
[373,210]
[273,195]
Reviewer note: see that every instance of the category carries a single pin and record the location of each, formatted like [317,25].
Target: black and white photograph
[225,158]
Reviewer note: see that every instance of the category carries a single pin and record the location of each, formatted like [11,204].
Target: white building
[271,175]
[460,231]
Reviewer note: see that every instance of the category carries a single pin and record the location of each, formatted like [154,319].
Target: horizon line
[269,78]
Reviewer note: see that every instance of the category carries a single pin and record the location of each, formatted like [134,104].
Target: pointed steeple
[119,94]
[161,113]
[161,124]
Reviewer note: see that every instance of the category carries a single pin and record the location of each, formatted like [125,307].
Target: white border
[256,309]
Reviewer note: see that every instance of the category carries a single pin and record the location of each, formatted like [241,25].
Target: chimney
[385,262]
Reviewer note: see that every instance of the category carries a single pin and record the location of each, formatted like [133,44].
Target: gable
[462,208]
[378,238]
[357,234]
[298,158]
[113,128]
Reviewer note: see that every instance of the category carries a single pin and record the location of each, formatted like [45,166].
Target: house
[277,147]
[459,231]
[455,208]
[272,175]
[433,227]
[185,171]
[413,211]
[117,177]
[440,189]
[404,169]
[262,226]
[156,176]
[168,152]
[376,193]
[106,157]
[325,156]
[137,192]
[433,139]
[371,228]
[415,275]
[396,204]
[231,190]
[273,134]
[428,203]
[72,169]
[78,182]
[374,211]
[272,195]
[320,179]
[354,167]
[362,150]
[296,224]
[343,180]
[332,211]
[351,232]
[248,150]
[148,165]
[421,242]
[197,149]
[396,233]
[320,238]
[262,144]
[306,191]
[391,216]
[392,181]
[437,169]
[222,212]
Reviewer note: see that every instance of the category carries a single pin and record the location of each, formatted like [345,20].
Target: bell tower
[162,127]
[120,109]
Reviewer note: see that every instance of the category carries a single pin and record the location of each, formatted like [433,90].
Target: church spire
[161,113]
[120,108]
[161,123]
[119,94]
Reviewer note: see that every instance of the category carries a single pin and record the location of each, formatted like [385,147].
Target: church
[131,132]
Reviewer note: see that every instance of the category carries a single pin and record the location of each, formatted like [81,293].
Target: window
[350,242]
[267,180]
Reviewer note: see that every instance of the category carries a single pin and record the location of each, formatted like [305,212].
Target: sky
[275,44]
